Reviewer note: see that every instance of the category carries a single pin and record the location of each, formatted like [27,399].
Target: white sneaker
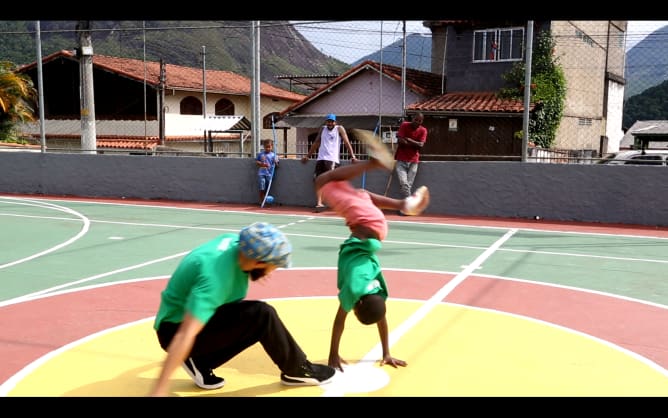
[417,203]
[375,148]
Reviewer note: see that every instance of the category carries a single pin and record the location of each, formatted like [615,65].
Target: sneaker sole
[304,381]
[375,148]
[202,385]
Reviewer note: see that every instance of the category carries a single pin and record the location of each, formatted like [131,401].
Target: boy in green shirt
[203,320]
[362,287]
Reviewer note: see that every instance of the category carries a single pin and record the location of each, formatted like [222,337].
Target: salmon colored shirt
[355,206]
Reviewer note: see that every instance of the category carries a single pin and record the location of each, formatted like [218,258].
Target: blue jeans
[406,173]
[263,181]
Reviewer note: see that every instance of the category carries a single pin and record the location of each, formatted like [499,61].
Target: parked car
[637,157]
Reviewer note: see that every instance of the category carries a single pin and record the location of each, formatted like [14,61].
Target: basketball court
[477,307]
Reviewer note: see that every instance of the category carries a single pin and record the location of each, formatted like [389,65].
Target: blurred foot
[375,148]
[417,203]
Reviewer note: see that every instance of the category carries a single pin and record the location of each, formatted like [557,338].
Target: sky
[350,40]
[637,30]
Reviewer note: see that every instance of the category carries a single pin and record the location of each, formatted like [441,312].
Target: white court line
[371,358]
[82,232]
[387,241]
[321,217]
[360,378]
[30,296]
[338,386]
[11,383]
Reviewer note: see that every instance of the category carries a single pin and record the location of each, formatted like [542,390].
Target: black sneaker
[309,374]
[203,378]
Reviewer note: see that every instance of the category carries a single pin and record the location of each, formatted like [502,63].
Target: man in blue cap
[328,144]
[204,321]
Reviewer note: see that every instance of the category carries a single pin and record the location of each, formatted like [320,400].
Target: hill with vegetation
[651,104]
[418,53]
[647,63]
[646,89]
[285,52]
[227,45]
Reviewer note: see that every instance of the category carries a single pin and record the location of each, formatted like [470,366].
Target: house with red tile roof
[142,106]
[464,113]
[474,55]
[354,96]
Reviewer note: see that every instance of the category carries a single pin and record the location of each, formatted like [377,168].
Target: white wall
[613,125]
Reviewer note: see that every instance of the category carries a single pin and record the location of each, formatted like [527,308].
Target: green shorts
[359,272]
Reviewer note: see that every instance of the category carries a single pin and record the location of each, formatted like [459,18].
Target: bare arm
[314,147]
[411,142]
[177,352]
[346,141]
[337,330]
[416,144]
[385,343]
[402,138]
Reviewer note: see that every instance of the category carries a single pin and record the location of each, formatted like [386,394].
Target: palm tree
[17,93]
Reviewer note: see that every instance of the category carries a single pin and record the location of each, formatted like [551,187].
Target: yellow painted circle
[451,351]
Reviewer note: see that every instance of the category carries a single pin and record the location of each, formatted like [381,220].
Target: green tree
[651,104]
[548,90]
[17,99]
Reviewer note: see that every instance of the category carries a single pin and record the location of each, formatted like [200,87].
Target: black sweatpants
[235,327]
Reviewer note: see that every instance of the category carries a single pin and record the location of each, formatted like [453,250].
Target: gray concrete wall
[586,193]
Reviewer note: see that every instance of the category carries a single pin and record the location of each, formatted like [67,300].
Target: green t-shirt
[208,277]
[359,271]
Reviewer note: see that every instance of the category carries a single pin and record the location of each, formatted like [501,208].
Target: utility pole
[163,79]
[87,97]
[208,146]
[403,74]
[40,87]
[527,92]
[255,87]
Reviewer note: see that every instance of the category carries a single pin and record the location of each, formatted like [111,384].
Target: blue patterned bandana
[264,242]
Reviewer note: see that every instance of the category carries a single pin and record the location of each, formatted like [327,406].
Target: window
[492,45]
[584,37]
[270,120]
[224,107]
[267,120]
[191,106]
[646,160]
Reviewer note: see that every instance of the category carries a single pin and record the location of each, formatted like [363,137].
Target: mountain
[224,45]
[651,104]
[418,53]
[647,63]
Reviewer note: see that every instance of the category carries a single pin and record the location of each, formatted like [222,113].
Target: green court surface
[476,308]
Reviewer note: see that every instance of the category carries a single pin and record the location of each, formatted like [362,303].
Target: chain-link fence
[466,77]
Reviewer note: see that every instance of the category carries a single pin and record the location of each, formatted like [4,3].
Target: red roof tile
[486,102]
[142,144]
[179,77]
